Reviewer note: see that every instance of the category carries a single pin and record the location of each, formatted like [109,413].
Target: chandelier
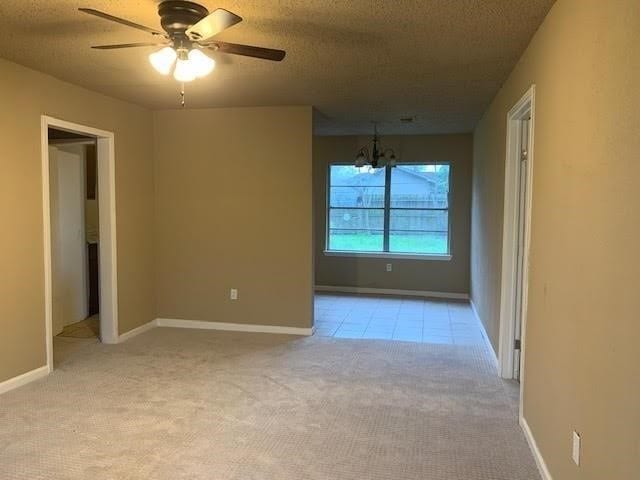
[379,156]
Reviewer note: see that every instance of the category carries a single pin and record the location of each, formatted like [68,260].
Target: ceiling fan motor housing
[176,16]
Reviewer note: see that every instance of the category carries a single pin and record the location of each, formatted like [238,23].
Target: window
[396,210]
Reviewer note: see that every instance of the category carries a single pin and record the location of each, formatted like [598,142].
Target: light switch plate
[389,267]
[233,295]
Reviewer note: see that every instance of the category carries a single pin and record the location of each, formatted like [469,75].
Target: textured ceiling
[439,61]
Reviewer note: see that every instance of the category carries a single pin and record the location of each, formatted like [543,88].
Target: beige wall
[427,275]
[27,96]
[233,210]
[582,367]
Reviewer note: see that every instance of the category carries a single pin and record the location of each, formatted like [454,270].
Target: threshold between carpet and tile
[178,403]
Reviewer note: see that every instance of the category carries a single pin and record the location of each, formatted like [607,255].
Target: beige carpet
[188,404]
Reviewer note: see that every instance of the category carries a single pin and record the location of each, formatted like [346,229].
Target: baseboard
[542,466]
[137,331]
[200,324]
[494,355]
[233,327]
[23,379]
[390,291]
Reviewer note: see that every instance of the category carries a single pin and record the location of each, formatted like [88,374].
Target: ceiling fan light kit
[188,29]
[189,64]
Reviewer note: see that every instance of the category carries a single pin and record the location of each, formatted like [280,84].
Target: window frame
[387,219]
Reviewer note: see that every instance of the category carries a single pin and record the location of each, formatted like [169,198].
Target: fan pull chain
[182,94]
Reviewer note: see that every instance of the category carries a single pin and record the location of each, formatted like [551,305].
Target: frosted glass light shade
[163,60]
[184,71]
[201,64]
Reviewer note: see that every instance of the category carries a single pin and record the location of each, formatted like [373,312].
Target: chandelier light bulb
[163,60]
[201,64]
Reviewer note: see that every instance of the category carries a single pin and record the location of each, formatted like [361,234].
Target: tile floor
[87,328]
[397,318]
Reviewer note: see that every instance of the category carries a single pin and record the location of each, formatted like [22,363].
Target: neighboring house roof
[405,180]
[415,174]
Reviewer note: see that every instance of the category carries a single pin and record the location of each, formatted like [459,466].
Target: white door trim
[525,106]
[107,206]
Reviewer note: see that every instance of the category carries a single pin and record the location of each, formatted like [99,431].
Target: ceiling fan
[188,28]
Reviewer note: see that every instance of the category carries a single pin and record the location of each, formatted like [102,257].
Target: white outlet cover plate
[575,454]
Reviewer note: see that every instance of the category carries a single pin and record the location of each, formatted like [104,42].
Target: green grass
[399,243]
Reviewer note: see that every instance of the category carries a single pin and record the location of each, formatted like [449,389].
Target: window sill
[401,256]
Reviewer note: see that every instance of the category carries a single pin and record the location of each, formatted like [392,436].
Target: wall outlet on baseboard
[233,294]
[575,454]
[389,267]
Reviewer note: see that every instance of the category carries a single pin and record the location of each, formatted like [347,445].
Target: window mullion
[387,207]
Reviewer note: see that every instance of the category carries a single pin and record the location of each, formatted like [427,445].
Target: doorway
[79,235]
[516,236]
[74,236]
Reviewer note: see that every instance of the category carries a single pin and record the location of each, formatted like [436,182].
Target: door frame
[524,107]
[107,224]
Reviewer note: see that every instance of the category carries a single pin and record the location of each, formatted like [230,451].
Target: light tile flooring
[87,328]
[397,318]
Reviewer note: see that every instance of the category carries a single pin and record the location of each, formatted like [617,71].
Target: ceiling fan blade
[247,50]
[122,21]
[213,24]
[128,45]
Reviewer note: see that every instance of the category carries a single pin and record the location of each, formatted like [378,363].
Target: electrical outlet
[575,454]
[389,267]
[233,295]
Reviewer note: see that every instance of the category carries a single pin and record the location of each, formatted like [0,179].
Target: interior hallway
[175,403]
